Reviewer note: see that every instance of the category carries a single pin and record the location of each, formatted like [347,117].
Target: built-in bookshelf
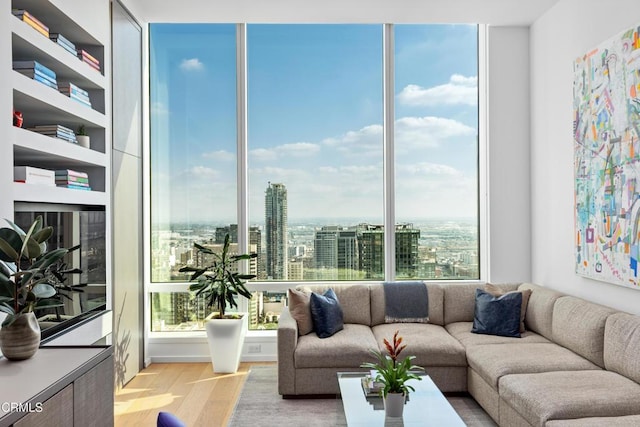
[83,26]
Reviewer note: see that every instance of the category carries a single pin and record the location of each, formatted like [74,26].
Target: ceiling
[495,12]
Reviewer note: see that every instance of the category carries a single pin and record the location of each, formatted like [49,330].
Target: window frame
[388,174]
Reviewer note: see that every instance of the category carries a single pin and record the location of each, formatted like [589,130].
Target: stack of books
[32,21]
[31,175]
[56,131]
[75,93]
[68,178]
[371,387]
[87,58]
[63,42]
[37,72]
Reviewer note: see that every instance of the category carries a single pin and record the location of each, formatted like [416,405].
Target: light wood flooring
[191,391]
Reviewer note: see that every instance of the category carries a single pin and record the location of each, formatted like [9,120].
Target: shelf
[45,194]
[44,105]
[28,45]
[31,148]
[58,21]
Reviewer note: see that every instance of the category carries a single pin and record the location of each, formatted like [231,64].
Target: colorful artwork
[606,128]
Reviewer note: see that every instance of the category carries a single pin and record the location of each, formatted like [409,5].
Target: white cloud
[428,131]
[366,141]
[221,155]
[192,64]
[459,90]
[423,169]
[286,151]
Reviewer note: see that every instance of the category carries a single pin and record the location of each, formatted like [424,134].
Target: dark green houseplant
[30,279]
[219,283]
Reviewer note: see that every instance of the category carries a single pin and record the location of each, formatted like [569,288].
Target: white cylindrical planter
[394,405]
[83,140]
[226,337]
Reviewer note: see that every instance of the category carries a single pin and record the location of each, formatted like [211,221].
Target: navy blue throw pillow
[497,315]
[326,313]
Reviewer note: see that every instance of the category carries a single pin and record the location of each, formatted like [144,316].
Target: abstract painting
[606,131]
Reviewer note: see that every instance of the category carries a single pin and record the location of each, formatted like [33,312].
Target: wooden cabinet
[61,387]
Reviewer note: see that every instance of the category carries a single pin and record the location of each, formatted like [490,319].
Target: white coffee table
[427,406]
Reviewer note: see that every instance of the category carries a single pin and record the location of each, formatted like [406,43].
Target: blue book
[45,81]
[33,73]
[71,88]
[62,40]
[35,65]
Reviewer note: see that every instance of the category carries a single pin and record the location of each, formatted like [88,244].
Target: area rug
[260,405]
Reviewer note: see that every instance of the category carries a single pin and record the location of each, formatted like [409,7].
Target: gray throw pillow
[497,315]
[326,314]
[300,310]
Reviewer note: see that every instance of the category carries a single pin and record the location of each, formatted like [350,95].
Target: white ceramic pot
[83,141]
[394,405]
[226,337]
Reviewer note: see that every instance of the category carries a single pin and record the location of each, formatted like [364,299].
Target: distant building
[336,253]
[255,241]
[275,206]
[371,249]
[295,269]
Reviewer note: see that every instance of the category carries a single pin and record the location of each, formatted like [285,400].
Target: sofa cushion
[348,347]
[540,309]
[579,326]
[462,332]
[497,315]
[626,421]
[326,313]
[492,362]
[436,313]
[300,310]
[459,301]
[622,345]
[431,344]
[354,300]
[526,294]
[546,396]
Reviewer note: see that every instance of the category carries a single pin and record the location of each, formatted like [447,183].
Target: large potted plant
[219,282]
[394,375]
[26,284]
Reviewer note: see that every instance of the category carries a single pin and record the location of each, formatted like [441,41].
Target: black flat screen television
[73,225]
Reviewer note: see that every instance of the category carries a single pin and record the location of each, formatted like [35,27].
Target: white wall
[509,208]
[565,32]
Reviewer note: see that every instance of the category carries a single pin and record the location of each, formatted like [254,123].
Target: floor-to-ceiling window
[193,156]
[315,156]
[436,151]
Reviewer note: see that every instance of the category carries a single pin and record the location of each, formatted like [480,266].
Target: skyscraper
[275,206]
[371,245]
[336,253]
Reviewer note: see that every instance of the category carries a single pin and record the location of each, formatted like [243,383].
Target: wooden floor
[191,391]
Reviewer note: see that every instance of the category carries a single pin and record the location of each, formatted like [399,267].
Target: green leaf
[42,235]
[43,290]
[8,251]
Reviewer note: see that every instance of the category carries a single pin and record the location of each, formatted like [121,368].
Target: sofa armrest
[287,342]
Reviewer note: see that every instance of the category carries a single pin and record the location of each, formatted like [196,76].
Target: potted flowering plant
[394,374]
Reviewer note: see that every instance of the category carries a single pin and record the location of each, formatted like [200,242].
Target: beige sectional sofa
[577,364]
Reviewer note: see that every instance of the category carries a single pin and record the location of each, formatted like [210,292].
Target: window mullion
[389,156]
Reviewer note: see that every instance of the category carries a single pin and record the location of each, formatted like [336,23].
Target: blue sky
[314,120]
